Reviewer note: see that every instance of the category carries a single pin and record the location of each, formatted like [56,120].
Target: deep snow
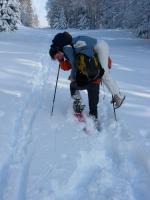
[50,158]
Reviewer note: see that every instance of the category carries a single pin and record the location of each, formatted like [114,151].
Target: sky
[41,11]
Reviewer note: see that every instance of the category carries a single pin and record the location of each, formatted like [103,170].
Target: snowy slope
[50,158]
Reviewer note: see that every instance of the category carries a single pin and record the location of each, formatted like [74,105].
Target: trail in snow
[50,157]
[19,160]
[14,172]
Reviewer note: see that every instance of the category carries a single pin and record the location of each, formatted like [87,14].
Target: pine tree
[35,20]
[93,14]
[28,17]
[143,29]
[82,19]
[9,15]
[62,21]
[55,17]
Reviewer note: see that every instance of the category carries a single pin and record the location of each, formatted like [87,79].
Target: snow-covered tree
[28,17]
[93,14]
[9,15]
[137,17]
[35,20]
[82,19]
[54,16]
[62,22]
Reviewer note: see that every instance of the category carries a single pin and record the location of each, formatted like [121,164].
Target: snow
[51,158]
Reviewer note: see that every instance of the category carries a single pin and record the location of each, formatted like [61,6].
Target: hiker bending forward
[65,49]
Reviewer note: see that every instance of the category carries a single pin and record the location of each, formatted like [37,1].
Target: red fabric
[97,81]
[65,65]
[109,62]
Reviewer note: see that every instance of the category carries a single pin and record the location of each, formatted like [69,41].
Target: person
[64,49]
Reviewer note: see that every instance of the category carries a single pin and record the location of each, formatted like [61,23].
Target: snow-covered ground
[50,158]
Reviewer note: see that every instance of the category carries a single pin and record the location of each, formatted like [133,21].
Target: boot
[77,106]
[117,100]
[96,122]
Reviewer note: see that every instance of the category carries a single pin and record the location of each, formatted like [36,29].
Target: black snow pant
[93,95]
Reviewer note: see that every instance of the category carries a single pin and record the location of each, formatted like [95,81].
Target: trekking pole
[55,90]
[114,109]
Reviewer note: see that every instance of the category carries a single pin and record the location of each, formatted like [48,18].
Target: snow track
[15,171]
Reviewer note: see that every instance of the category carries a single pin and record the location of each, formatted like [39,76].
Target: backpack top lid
[62,39]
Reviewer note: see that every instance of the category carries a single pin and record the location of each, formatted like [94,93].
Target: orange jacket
[65,65]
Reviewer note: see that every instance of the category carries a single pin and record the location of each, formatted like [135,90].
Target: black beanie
[62,39]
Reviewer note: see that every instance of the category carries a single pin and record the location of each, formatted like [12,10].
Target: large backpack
[88,68]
